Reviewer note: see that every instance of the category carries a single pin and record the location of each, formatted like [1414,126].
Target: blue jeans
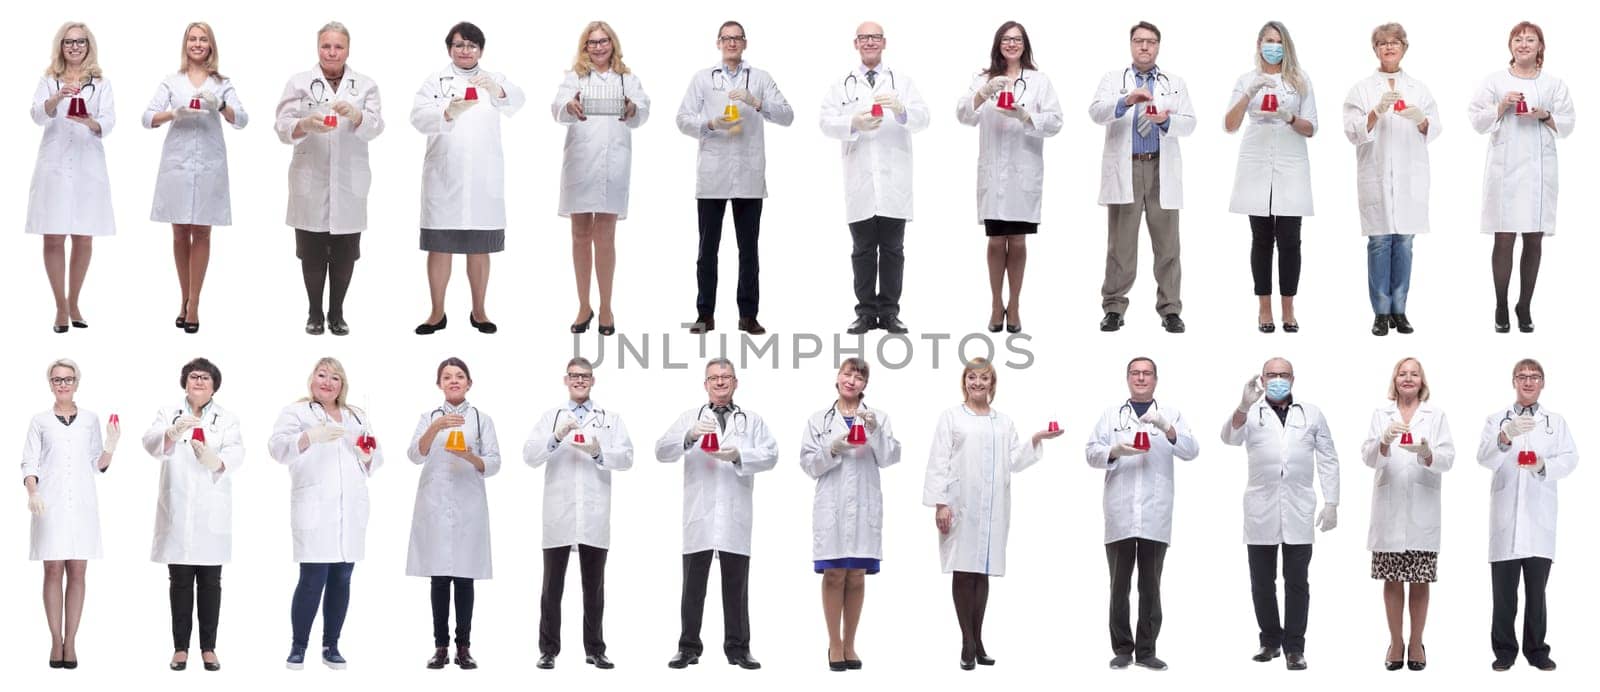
[328,582]
[1388,273]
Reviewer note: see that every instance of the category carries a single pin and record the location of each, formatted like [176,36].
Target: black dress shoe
[1502,665]
[968,665]
[1267,327]
[314,326]
[1266,654]
[745,661]
[1014,328]
[1524,319]
[1151,662]
[683,659]
[1380,325]
[179,665]
[55,663]
[581,327]
[1546,665]
[80,324]
[862,325]
[546,661]
[852,663]
[211,666]
[464,658]
[702,324]
[984,660]
[599,661]
[995,327]
[485,326]
[69,664]
[893,325]
[1295,661]
[1111,322]
[750,325]
[1172,323]
[441,658]
[836,666]
[425,328]
[1120,661]
[1400,323]
[338,326]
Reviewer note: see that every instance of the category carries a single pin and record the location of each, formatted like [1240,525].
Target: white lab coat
[1138,488]
[969,470]
[731,166]
[719,497]
[464,169]
[577,487]
[597,158]
[66,460]
[1274,173]
[1011,154]
[1406,501]
[194,506]
[1279,502]
[847,506]
[1391,159]
[450,519]
[71,192]
[1522,505]
[877,164]
[192,181]
[329,174]
[1519,173]
[1116,159]
[328,500]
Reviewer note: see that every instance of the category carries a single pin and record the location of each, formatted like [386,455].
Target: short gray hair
[68,364]
[334,26]
[723,362]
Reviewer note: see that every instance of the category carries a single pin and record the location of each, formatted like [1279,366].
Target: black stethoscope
[851,84]
[447,81]
[1018,87]
[1126,413]
[441,411]
[832,415]
[593,414]
[741,422]
[319,90]
[1288,419]
[1534,410]
[1163,83]
[321,413]
[85,90]
[721,73]
[201,416]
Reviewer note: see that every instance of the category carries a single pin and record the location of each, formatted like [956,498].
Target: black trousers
[735,601]
[1291,635]
[184,596]
[878,261]
[1284,231]
[592,571]
[326,257]
[1121,558]
[747,228]
[1503,634]
[439,597]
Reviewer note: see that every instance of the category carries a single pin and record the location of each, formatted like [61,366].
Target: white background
[1048,614]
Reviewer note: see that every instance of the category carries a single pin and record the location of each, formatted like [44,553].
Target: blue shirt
[1149,143]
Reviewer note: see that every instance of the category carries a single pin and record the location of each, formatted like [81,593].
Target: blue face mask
[1272,53]
[1278,389]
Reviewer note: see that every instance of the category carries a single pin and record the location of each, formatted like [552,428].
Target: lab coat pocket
[305,510]
[219,511]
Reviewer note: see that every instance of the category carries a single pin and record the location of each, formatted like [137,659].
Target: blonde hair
[1392,29]
[980,365]
[63,363]
[582,65]
[212,61]
[1291,64]
[58,58]
[334,366]
[1422,392]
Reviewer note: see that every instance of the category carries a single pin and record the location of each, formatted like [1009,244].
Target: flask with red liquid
[858,435]
[877,110]
[198,434]
[114,420]
[1006,100]
[1141,441]
[1527,457]
[1150,109]
[577,439]
[331,120]
[1269,103]
[708,443]
[1522,109]
[471,95]
[366,442]
[194,103]
[76,108]
[1053,427]
[1399,105]
[1405,439]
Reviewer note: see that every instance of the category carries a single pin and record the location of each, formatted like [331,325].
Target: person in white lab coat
[71,193]
[463,171]
[192,182]
[726,109]
[601,102]
[847,506]
[1010,160]
[1524,111]
[61,456]
[1529,448]
[722,447]
[579,444]
[330,451]
[1272,184]
[1138,505]
[873,111]
[968,483]
[1409,446]
[328,115]
[1144,110]
[450,520]
[1391,118]
[1286,442]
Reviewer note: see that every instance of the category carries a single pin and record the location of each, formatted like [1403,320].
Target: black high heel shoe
[191,327]
[836,666]
[1392,665]
[1418,665]
[581,327]
[1524,319]
[997,326]
[80,324]
[179,323]
[607,329]
[59,328]
[1502,319]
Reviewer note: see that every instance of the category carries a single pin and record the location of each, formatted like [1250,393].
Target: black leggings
[1532,249]
[440,596]
[971,594]
[184,597]
[1285,232]
[331,258]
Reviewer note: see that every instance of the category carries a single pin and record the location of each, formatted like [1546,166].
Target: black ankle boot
[1380,325]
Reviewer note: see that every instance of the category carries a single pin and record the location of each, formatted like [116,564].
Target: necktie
[722,416]
[1141,81]
[872,78]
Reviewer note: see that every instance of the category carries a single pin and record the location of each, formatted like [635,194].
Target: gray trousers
[1122,244]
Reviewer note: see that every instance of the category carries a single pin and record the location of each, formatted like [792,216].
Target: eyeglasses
[1147,42]
[1141,373]
[869,38]
[1390,44]
[199,377]
[58,381]
[467,46]
[1277,375]
[74,42]
[1012,40]
[580,376]
[731,39]
[719,378]
[597,42]
[1523,379]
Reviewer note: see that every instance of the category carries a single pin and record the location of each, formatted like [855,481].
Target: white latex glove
[1123,450]
[181,426]
[1262,82]
[890,102]
[1282,114]
[1329,517]
[701,428]
[457,107]
[327,432]
[869,420]
[720,124]
[1018,114]
[1422,449]
[112,437]
[994,86]
[364,456]
[1521,425]
[184,112]
[206,457]
[840,445]
[746,97]
[864,122]
[486,84]
[1387,102]
[35,504]
[1251,394]
[210,100]
[1414,114]
[568,424]
[1154,418]
[1536,467]
[314,124]
[346,110]
[589,446]
[1393,431]
[728,454]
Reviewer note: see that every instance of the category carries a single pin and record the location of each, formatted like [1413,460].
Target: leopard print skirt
[1413,566]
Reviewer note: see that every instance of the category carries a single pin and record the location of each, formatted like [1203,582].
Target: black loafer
[599,661]
[1266,654]
[893,325]
[862,325]
[425,328]
[750,325]
[1120,661]
[1151,662]
[1380,325]
[745,661]
[1172,323]
[1400,323]
[485,326]
[1295,661]
[546,662]
[683,659]
[1111,322]
[314,327]
[338,326]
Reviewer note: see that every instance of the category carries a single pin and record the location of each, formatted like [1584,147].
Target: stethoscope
[1126,413]
[832,415]
[1288,419]
[594,414]
[319,90]
[321,413]
[441,411]
[741,422]
[85,90]
[722,74]
[185,408]
[1163,83]
[1549,429]
[851,84]
[448,80]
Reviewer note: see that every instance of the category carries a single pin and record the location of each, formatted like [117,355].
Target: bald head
[870,43]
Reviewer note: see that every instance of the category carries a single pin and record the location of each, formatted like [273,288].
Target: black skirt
[996,227]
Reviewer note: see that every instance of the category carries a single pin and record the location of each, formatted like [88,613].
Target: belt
[1147,157]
